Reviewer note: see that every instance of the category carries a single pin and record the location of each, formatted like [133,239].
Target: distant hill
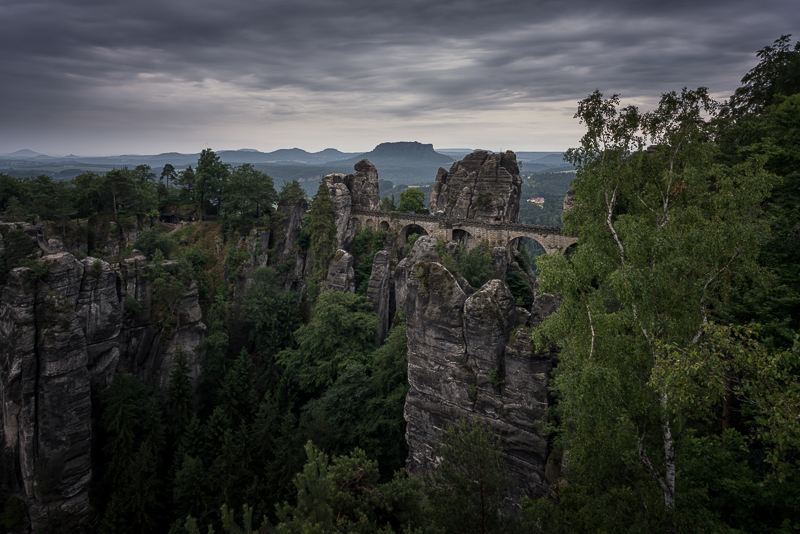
[23,154]
[403,154]
[284,156]
[399,162]
[551,159]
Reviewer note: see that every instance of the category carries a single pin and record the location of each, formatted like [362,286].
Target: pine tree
[466,490]
[321,225]
[237,397]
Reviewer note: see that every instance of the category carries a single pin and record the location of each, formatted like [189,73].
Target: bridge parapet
[496,233]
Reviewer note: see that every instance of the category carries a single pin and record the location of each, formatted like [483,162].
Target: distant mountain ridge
[402,153]
[405,162]
[286,156]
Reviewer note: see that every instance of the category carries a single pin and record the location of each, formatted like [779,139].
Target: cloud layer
[103,77]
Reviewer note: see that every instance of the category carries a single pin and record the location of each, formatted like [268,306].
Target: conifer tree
[237,398]
[321,223]
[466,489]
[179,401]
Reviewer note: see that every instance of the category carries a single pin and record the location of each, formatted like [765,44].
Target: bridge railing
[453,223]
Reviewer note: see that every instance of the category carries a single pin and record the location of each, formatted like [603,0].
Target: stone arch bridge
[497,234]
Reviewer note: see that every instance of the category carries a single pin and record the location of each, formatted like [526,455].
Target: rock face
[343,205]
[60,332]
[293,217]
[468,358]
[341,276]
[480,186]
[357,191]
[379,293]
[424,249]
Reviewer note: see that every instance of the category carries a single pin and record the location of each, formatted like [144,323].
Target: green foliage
[234,260]
[118,183]
[777,73]
[170,281]
[151,240]
[37,270]
[249,194]
[495,377]
[381,432]
[96,269]
[448,259]
[179,400]
[291,193]
[236,394]
[321,225]
[273,315]
[477,267]
[341,332]
[663,238]
[132,305]
[131,420]
[210,179]
[412,200]
[365,244]
[730,360]
[466,490]
[346,496]
[13,511]
[186,181]
[388,204]
[483,201]
[197,258]
[90,194]
[410,243]
[773,302]
[214,346]
[520,289]
[17,247]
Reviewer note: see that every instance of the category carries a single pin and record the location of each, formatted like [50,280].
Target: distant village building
[537,200]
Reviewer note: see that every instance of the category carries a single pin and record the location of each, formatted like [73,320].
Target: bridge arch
[409,229]
[531,246]
[497,234]
[465,238]
[518,238]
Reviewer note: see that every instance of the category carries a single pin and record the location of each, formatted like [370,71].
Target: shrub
[495,378]
[131,305]
[151,240]
[96,269]
[519,289]
[477,267]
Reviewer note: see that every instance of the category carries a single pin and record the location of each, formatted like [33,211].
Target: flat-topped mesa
[481,186]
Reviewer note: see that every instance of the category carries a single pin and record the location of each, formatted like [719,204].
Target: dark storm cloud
[84,64]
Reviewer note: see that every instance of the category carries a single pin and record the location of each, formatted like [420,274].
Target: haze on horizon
[175,76]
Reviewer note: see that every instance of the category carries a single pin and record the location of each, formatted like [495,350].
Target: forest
[675,401]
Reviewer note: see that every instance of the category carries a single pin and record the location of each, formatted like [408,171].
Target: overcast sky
[103,77]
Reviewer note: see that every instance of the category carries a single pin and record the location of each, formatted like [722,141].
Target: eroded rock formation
[379,293]
[341,276]
[470,356]
[480,186]
[61,330]
[357,191]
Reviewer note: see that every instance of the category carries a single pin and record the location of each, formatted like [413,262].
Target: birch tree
[664,233]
